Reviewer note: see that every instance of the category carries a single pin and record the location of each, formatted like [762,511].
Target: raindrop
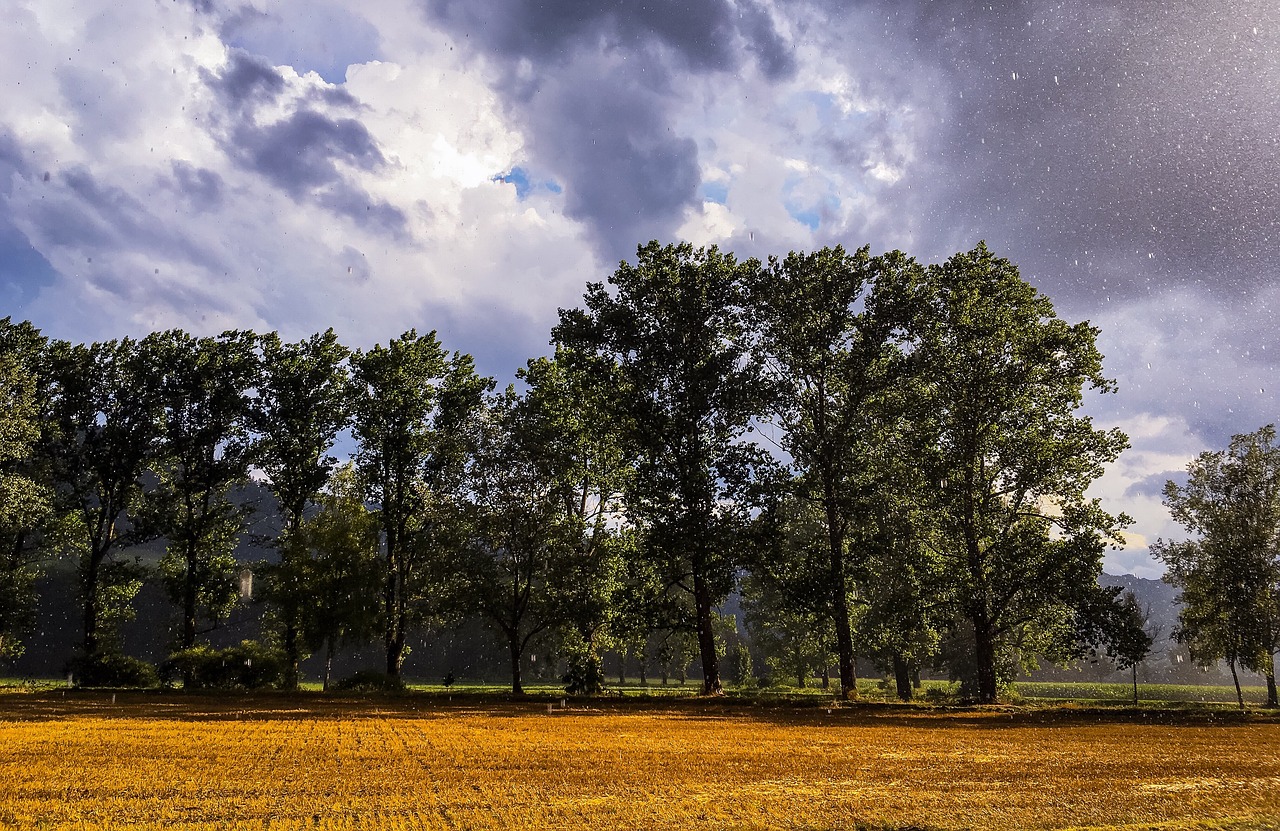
[1055,81]
[1015,76]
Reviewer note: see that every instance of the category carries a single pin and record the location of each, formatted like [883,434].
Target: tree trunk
[291,652]
[840,605]
[706,637]
[91,604]
[644,681]
[1236,679]
[391,637]
[800,679]
[985,658]
[826,677]
[328,666]
[513,644]
[1272,700]
[622,668]
[902,676]
[1135,684]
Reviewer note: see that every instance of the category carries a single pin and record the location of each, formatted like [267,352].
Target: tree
[298,412]
[827,323]
[1230,576]
[24,498]
[1002,377]
[688,385]
[1134,643]
[795,642]
[336,568]
[413,415]
[547,485]
[102,428]
[205,386]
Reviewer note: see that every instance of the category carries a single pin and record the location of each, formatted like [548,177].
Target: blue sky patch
[716,192]
[519,177]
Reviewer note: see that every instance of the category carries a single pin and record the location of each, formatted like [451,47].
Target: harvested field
[152,761]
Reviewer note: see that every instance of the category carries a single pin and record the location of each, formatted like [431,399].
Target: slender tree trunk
[985,658]
[826,677]
[622,668]
[706,637]
[902,676]
[1235,678]
[1134,668]
[915,676]
[1272,700]
[291,652]
[328,666]
[800,679]
[840,603]
[513,644]
[644,681]
[391,637]
[91,603]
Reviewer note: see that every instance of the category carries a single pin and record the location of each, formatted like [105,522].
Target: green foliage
[674,327]
[331,567]
[1002,378]
[415,416]
[248,666]
[204,387]
[1230,577]
[24,497]
[109,668]
[102,428]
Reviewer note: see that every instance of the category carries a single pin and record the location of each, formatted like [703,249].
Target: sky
[466,166]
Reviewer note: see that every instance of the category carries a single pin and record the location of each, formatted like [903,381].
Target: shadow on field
[50,705]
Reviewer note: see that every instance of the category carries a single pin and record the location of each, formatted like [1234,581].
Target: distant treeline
[884,458]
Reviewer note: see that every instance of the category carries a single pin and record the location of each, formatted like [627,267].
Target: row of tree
[887,458]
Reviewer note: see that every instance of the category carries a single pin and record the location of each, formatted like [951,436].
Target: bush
[585,676]
[114,669]
[369,680]
[248,666]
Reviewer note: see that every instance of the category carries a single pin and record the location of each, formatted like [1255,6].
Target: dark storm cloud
[87,215]
[595,80]
[1106,147]
[301,153]
[703,32]
[1153,486]
[627,174]
[202,188]
[246,82]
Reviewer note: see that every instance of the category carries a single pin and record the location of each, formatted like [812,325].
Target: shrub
[369,680]
[114,669]
[248,666]
[585,676]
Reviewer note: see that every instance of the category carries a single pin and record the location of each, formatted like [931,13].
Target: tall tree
[547,486]
[102,428]
[24,496]
[413,410]
[205,387]
[1230,576]
[1003,378]
[336,567]
[688,384]
[298,412]
[828,322]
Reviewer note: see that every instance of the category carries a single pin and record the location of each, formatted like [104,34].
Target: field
[88,761]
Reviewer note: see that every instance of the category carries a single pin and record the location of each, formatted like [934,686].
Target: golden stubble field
[162,761]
